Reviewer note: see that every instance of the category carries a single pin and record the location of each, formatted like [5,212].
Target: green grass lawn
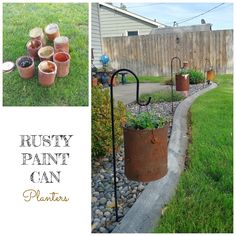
[72,20]
[147,79]
[162,96]
[204,197]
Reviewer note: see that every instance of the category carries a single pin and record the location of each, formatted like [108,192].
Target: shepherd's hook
[113,128]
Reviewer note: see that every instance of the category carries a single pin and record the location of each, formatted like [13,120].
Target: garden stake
[113,128]
[172,83]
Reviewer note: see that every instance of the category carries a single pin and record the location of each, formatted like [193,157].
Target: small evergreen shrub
[195,77]
[101,122]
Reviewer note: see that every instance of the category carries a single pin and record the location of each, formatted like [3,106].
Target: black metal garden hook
[137,86]
[113,128]
[172,83]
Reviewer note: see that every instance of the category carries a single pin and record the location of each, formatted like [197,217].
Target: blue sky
[166,13]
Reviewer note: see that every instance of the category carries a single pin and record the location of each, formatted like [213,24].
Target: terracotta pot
[52,31]
[62,60]
[46,53]
[61,44]
[25,66]
[32,48]
[47,73]
[182,82]
[37,33]
[145,153]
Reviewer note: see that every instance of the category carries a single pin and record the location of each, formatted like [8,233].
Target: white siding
[114,23]
[96,43]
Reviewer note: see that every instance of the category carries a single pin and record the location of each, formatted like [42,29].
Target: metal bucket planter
[52,31]
[61,44]
[62,60]
[33,47]
[210,75]
[145,153]
[46,53]
[47,73]
[25,66]
[182,83]
[37,33]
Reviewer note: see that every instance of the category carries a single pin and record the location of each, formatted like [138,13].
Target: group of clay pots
[54,61]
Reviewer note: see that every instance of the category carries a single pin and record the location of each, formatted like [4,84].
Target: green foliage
[195,77]
[162,96]
[145,120]
[204,199]
[101,122]
[72,19]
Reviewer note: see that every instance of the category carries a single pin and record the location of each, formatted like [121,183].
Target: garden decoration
[104,76]
[209,71]
[33,47]
[62,60]
[46,73]
[61,44]
[113,129]
[25,66]
[52,31]
[145,143]
[46,53]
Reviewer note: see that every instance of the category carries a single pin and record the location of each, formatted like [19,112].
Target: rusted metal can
[210,75]
[145,153]
[61,44]
[182,82]
[37,33]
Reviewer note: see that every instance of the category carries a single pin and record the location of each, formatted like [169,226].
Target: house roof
[154,23]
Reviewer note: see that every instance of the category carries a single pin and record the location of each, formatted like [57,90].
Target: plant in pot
[182,81]
[145,143]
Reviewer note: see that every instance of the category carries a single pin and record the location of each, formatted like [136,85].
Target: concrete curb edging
[146,211]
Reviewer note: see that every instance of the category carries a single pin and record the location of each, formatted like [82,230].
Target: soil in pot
[47,73]
[46,53]
[52,31]
[37,33]
[62,60]
[32,48]
[145,153]
[25,66]
[61,44]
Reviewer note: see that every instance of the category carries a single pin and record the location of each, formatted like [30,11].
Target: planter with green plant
[195,77]
[145,143]
[182,80]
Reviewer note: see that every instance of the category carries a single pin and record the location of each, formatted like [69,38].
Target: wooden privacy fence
[151,54]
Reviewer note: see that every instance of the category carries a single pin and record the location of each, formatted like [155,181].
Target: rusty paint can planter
[62,60]
[25,66]
[61,44]
[145,153]
[46,73]
[210,75]
[182,84]
[52,31]
[46,53]
[37,33]
[33,47]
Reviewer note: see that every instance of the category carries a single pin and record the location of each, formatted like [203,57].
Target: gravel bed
[103,202]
